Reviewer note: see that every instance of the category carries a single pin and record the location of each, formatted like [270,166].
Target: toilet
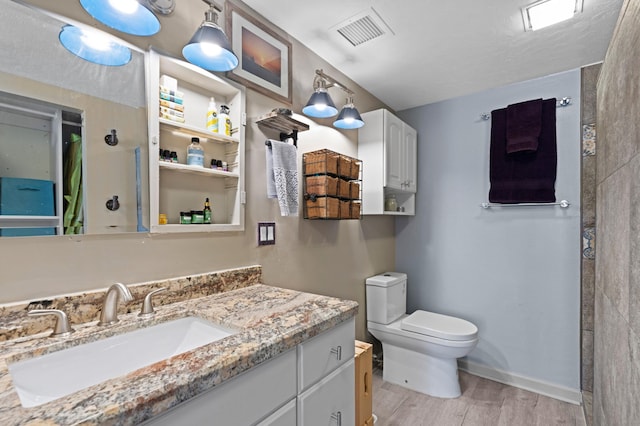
[420,350]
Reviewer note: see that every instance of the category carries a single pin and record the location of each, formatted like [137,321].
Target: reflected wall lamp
[321,105]
[209,48]
[94,46]
[134,17]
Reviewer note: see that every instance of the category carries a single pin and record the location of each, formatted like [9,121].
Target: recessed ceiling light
[548,12]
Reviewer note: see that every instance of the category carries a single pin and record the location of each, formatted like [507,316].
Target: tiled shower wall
[588,190]
[588,109]
[616,380]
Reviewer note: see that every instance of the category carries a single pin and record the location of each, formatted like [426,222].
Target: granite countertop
[269,321]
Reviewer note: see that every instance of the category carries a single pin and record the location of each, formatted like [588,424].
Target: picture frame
[264,56]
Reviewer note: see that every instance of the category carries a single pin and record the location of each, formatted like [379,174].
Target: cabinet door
[410,154]
[331,401]
[393,161]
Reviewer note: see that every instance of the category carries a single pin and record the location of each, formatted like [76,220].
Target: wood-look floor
[483,402]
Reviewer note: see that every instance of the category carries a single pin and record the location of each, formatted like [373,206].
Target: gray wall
[514,272]
[616,382]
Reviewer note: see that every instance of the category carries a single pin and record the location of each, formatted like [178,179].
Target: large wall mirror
[55,111]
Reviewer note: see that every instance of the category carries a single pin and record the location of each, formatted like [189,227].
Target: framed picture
[265,57]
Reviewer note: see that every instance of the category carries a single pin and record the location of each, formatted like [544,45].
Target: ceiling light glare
[544,13]
[128,7]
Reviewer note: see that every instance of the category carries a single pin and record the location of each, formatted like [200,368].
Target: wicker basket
[344,166]
[355,207]
[344,188]
[355,169]
[321,162]
[354,190]
[345,209]
[323,208]
[322,185]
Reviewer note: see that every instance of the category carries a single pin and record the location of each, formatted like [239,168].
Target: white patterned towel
[282,176]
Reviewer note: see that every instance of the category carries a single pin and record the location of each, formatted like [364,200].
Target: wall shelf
[281,122]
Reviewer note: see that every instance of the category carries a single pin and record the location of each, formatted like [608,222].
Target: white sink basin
[57,374]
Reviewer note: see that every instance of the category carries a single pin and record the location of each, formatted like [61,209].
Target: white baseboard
[573,396]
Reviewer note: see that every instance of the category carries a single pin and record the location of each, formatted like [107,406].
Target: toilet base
[419,372]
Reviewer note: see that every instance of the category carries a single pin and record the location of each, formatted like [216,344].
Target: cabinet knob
[337,351]
[337,416]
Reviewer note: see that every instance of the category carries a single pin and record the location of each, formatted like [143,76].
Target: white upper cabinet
[388,149]
[176,187]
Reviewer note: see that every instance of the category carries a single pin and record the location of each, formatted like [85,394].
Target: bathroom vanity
[289,362]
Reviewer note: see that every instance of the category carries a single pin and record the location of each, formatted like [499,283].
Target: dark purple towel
[524,123]
[523,177]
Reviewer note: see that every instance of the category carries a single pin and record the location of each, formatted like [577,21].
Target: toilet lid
[437,325]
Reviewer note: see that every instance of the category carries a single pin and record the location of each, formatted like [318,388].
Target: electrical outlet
[266,233]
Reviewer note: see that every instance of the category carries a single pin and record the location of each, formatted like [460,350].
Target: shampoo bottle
[212,116]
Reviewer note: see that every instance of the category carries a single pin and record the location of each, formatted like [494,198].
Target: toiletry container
[224,122]
[212,116]
[195,153]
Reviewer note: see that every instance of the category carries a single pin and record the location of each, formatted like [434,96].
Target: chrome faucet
[109,314]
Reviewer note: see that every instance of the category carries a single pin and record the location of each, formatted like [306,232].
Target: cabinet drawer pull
[337,416]
[338,352]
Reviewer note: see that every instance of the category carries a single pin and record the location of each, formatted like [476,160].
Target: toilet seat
[440,326]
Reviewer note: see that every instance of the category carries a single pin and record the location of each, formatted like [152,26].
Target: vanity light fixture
[544,13]
[134,17]
[94,46]
[349,117]
[209,48]
[321,105]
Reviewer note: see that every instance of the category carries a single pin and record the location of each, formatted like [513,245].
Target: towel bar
[563,204]
[566,101]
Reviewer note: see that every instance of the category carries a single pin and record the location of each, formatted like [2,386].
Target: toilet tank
[386,297]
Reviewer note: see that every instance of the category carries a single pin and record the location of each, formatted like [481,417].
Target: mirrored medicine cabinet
[55,111]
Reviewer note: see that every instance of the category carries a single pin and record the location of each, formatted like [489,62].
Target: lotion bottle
[212,116]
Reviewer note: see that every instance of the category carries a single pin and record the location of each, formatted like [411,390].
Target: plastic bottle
[212,116]
[224,122]
[195,153]
[207,211]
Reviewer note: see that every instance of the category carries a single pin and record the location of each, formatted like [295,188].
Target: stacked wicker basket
[332,185]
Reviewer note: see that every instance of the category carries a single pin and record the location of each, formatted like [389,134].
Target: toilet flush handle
[337,351]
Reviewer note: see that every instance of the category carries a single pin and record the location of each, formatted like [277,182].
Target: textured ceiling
[444,49]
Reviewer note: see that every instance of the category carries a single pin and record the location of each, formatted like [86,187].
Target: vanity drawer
[324,353]
[243,400]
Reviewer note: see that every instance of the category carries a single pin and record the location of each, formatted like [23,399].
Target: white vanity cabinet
[312,384]
[175,187]
[388,147]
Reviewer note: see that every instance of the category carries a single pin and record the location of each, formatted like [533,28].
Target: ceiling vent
[363,27]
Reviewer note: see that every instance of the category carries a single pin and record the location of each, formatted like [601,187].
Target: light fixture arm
[323,80]
[215,6]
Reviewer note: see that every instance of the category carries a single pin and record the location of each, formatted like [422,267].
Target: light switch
[266,233]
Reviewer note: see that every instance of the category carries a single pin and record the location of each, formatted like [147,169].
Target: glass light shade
[320,105]
[209,48]
[349,118]
[128,16]
[94,47]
